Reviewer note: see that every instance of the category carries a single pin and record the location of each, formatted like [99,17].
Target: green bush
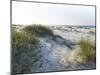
[38,30]
[87,51]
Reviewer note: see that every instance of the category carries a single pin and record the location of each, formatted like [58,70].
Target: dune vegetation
[24,43]
[86,52]
[23,37]
[25,47]
[38,30]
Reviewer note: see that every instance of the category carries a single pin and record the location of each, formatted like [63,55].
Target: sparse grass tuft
[38,30]
[87,51]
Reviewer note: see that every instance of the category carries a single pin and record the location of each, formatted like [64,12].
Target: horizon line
[55,24]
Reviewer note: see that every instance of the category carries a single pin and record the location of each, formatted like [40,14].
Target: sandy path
[53,54]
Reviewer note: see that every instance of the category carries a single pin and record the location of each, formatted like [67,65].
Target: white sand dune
[54,53]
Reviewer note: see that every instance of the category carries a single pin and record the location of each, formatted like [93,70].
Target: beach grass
[23,51]
[38,30]
[23,37]
[87,51]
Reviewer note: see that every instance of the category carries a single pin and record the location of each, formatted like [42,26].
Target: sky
[52,14]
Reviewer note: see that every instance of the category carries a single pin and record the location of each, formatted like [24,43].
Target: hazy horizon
[52,14]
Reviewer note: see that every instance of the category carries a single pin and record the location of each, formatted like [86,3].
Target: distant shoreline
[57,25]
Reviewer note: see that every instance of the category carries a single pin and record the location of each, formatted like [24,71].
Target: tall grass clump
[87,51]
[23,37]
[38,30]
[23,51]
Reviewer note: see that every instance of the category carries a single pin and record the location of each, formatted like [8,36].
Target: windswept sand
[55,54]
